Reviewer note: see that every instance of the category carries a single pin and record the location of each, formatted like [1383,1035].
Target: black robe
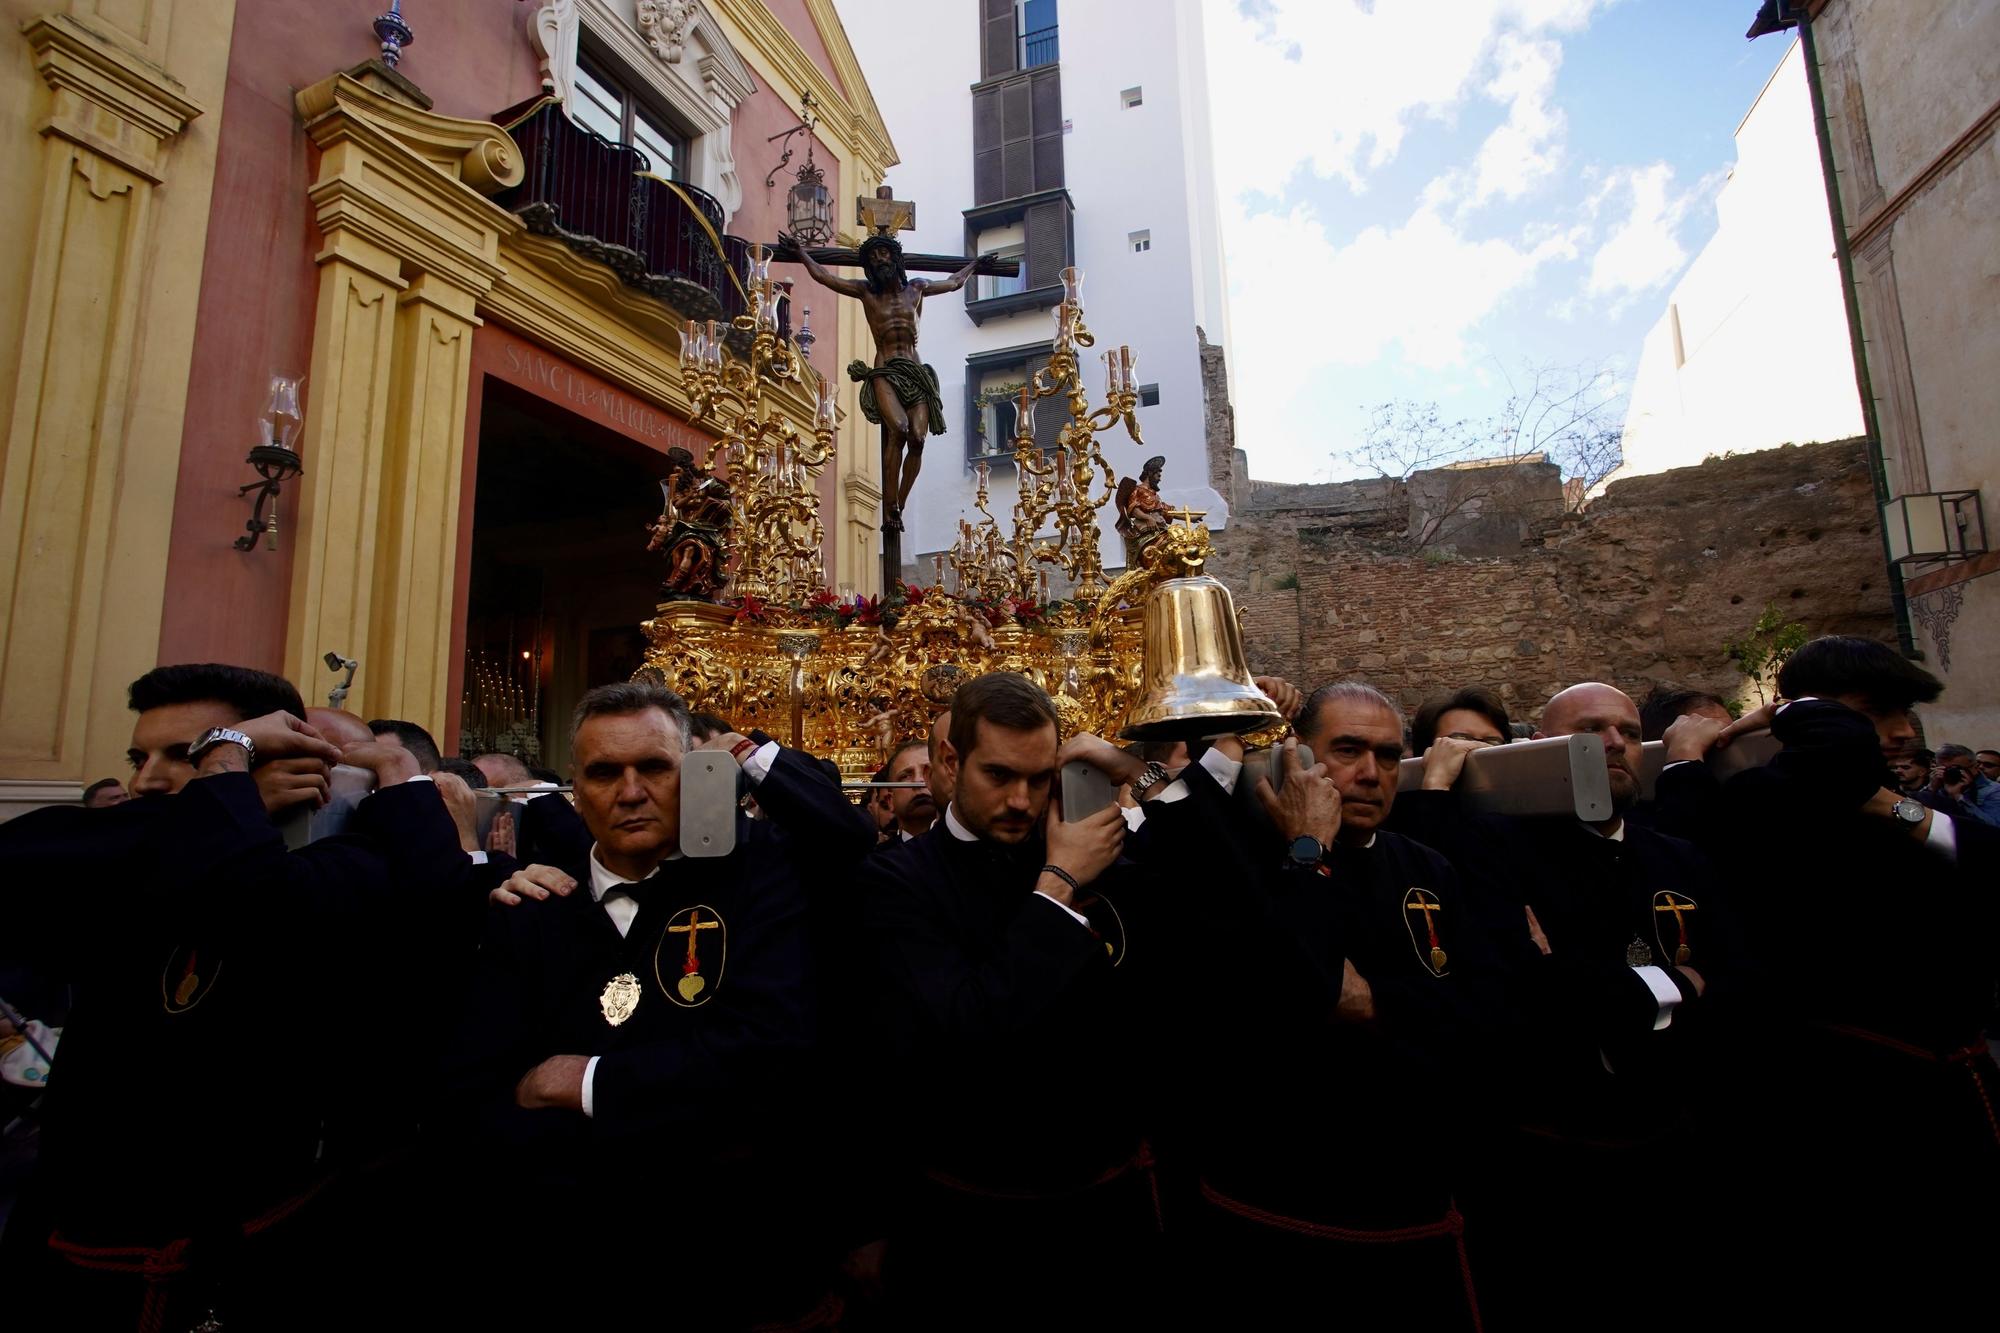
[690,1185]
[1016,1033]
[1877,959]
[222,983]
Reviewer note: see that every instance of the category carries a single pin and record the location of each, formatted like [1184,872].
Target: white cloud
[1643,251]
[1526,149]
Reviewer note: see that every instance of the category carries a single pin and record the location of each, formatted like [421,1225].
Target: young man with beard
[1012,1020]
[634,1064]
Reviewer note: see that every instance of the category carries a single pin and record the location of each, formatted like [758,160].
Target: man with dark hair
[912,809]
[634,1052]
[1353,959]
[934,751]
[105,793]
[1664,703]
[1474,715]
[1989,764]
[206,961]
[394,731]
[1013,1024]
[1912,769]
[880,808]
[707,726]
[899,392]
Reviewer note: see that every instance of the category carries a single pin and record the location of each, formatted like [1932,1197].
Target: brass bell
[1194,679]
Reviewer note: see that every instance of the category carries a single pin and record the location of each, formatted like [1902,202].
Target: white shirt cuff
[1664,991]
[1081,919]
[1134,817]
[589,1083]
[1220,766]
[478,858]
[1943,837]
[759,761]
[1677,763]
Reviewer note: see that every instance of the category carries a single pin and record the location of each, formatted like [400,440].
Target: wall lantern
[809,205]
[274,457]
[1934,525]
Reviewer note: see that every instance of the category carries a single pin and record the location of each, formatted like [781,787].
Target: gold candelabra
[1055,488]
[772,468]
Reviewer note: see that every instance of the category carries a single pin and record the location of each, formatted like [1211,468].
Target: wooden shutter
[1045,96]
[1017,140]
[987,178]
[1051,413]
[997,47]
[1048,247]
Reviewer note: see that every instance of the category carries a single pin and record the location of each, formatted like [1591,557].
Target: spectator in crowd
[392,731]
[1912,768]
[1473,714]
[637,1039]
[912,808]
[941,780]
[105,793]
[882,806]
[1664,703]
[1989,764]
[1959,778]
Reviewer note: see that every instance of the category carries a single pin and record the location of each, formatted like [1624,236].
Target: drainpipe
[1775,16]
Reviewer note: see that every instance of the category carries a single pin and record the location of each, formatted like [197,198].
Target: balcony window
[993,383]
[1035,21]
[609,108]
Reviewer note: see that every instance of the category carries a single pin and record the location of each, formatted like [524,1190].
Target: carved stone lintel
[664,24]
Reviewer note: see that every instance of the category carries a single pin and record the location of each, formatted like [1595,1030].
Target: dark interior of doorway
[560,579]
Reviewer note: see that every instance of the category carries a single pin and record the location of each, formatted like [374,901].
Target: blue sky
[1421,197]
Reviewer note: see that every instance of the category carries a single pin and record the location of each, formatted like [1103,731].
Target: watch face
[1306,850]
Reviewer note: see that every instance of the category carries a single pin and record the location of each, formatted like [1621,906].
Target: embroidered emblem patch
[190,974]
[689,960]
[1108,926]
[1670,923]
[1421,905]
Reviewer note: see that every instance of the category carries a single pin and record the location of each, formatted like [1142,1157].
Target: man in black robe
[1013,1022]
[1873,920]
[186,1158]
[1338,999]
[1626,1004]
[634,1056]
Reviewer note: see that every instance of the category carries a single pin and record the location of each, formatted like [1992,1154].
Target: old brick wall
[1646,585]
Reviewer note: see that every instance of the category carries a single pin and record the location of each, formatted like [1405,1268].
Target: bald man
[1622,1001]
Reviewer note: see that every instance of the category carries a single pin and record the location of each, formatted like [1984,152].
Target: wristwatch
[1152,775]
[1909,811]
[1306,850]
[215,736]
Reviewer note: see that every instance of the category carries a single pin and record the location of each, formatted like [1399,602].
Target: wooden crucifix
[898,391]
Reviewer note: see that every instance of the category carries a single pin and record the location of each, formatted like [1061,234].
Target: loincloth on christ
[913,382]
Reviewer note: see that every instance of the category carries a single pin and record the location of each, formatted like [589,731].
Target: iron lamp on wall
[275,459]
[808,204]
[1931,526]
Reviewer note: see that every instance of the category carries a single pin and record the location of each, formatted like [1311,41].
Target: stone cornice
[89,74]
[476,152]
[859,128]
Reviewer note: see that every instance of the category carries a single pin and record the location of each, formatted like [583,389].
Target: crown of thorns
[889,243]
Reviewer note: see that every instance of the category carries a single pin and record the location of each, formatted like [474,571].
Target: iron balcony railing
[603,200]
[1038,47]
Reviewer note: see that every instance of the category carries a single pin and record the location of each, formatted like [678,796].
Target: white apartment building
[1752,350]
[1059,132]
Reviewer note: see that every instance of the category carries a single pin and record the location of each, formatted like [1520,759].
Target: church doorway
[560,577]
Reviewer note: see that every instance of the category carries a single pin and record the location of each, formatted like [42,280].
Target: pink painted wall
[473,57]
[792,13]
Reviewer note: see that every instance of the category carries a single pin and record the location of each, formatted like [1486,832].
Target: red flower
[751,610]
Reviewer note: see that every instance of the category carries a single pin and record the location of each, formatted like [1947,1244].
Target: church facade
[477,261]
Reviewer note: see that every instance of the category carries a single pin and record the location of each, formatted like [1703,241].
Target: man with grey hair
[636,1050]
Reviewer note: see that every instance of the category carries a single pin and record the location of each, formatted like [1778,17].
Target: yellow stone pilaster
[94,360]
[411,247]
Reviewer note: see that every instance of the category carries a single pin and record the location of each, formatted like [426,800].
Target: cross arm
[844,258]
